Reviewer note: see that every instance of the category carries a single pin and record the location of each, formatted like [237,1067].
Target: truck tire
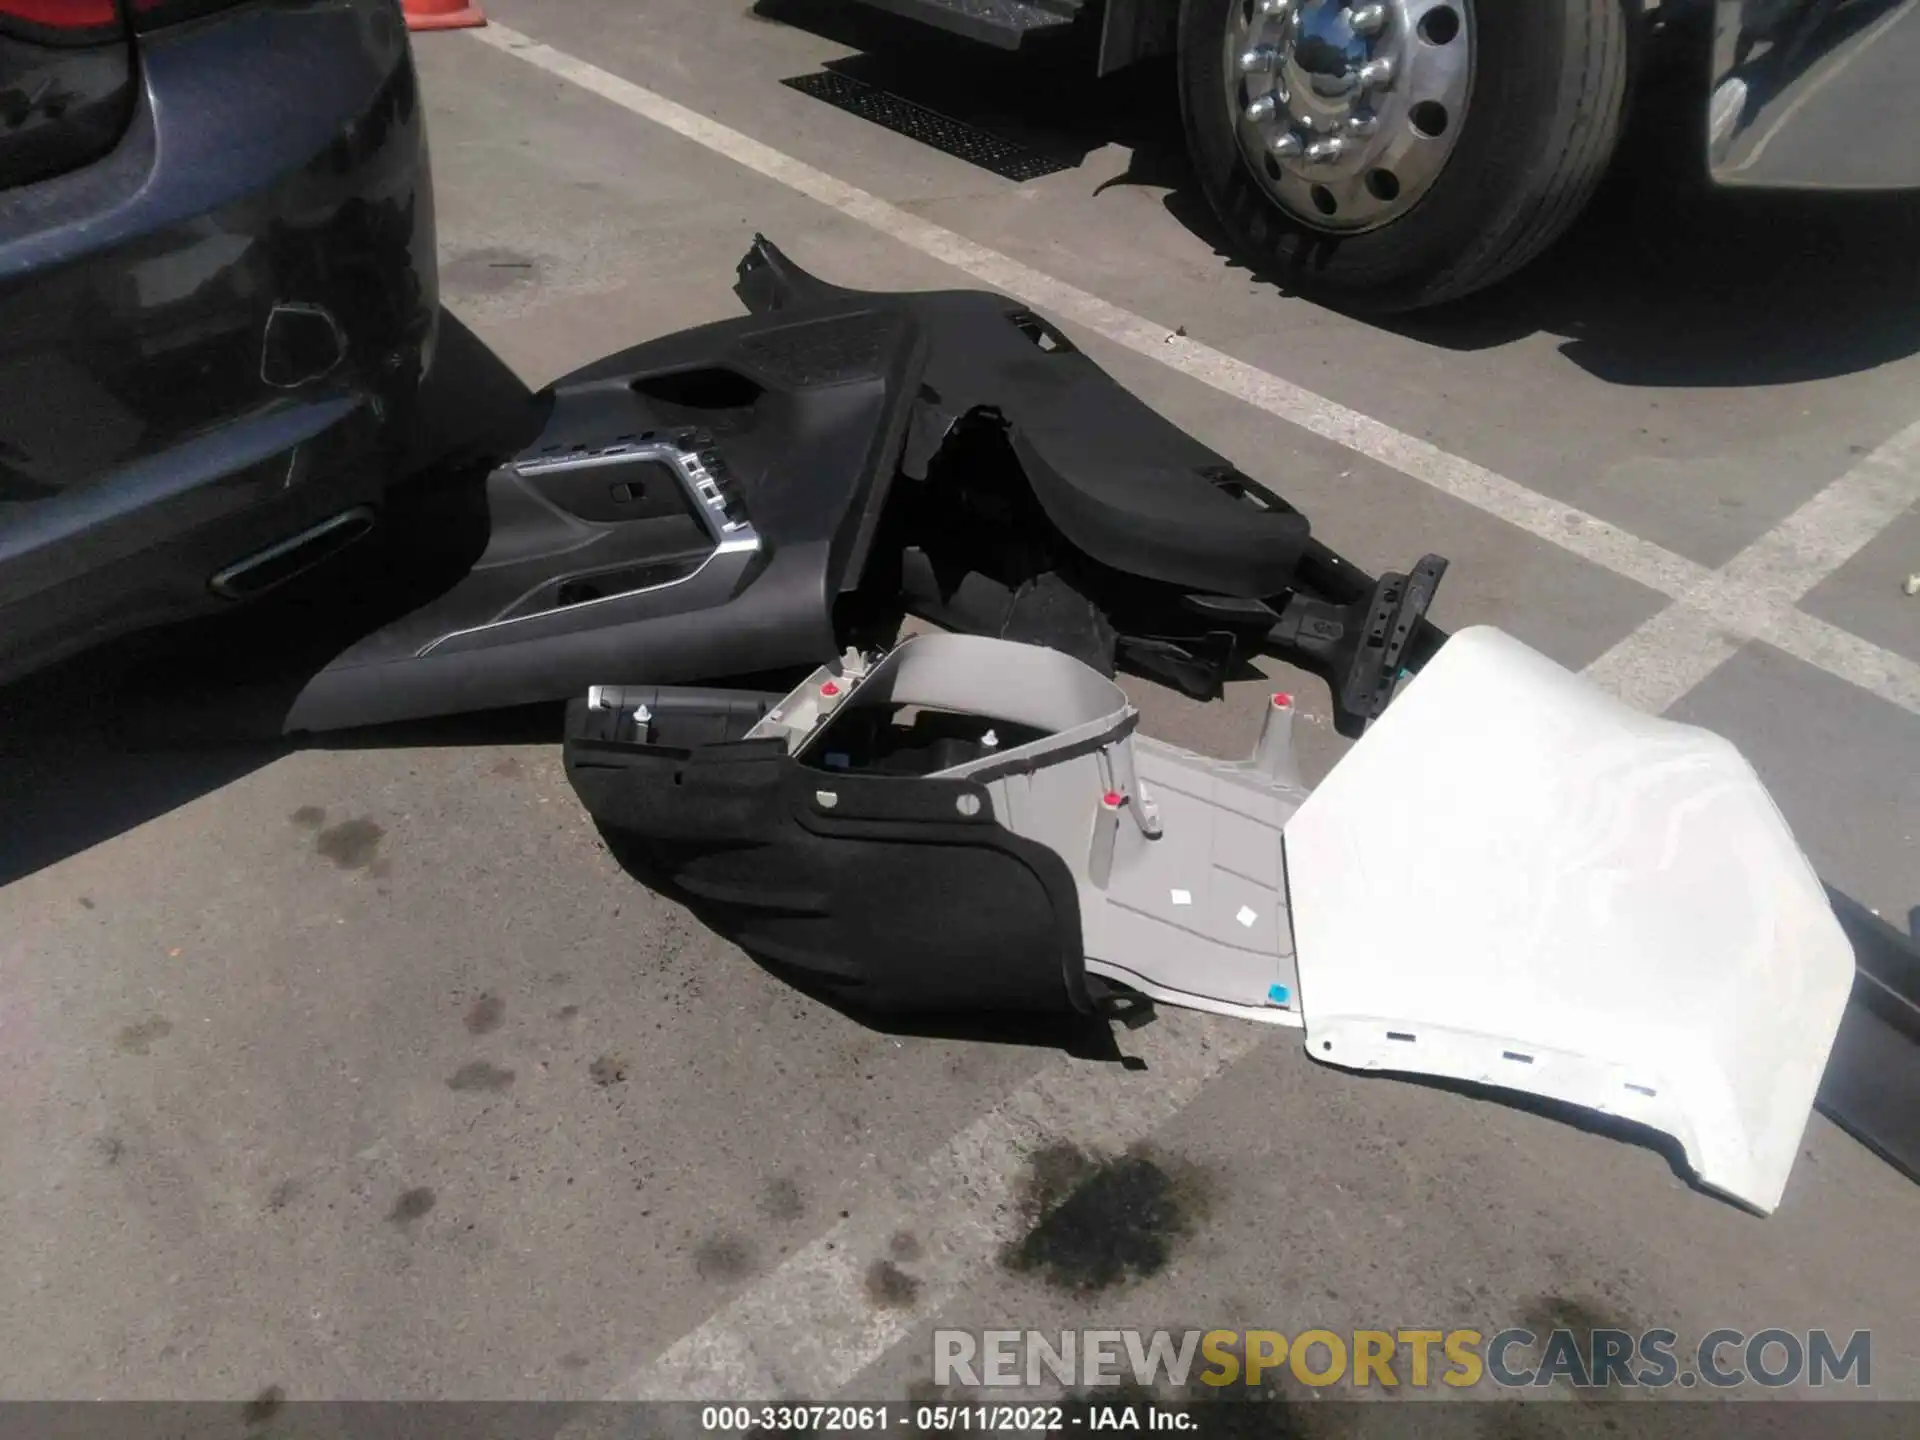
[1390,154]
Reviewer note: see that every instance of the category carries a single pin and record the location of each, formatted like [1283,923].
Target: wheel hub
[1347,109]
[1321,71]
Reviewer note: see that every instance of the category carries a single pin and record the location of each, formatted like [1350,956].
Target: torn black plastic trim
[752,496]
[880,889]
[1871,1086]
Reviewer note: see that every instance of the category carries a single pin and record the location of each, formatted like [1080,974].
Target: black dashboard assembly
[757,495]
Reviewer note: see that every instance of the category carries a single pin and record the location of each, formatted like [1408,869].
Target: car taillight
[61,22]
[152,14]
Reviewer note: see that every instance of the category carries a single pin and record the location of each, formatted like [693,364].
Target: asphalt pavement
[359,1069]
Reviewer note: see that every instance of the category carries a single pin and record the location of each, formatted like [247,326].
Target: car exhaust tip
[277,564]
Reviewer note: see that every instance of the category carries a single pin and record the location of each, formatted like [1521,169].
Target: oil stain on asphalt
[485,1016]
[1097,1223]
[782,1200]
[1547,1313]
[264,1406]
[138,1039]
[890,1287]
[412,1205]
[351,845]
[723,1259]
[607,1070]
[488,270]
[479,1075]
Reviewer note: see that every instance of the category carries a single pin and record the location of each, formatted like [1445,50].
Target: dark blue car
[218,299]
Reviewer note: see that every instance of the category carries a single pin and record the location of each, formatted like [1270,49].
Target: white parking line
[1685,643]
[1731,605]
[808,1328]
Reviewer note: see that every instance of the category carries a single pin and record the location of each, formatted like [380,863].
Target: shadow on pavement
[1083,1037]
[1668,281]
[1044,98]
[1663,281]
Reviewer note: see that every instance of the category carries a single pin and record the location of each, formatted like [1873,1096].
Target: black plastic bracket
[1361,648]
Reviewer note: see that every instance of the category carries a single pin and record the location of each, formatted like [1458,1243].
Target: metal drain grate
[1009,159]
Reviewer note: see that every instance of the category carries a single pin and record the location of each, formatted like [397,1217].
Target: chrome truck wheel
[1347,112]
[1388,154]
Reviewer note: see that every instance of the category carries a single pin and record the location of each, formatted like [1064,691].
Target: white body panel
[1515,879]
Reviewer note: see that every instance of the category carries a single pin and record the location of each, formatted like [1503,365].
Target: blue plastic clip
[1278,994]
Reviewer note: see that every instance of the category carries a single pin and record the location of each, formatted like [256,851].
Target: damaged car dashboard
[758,494]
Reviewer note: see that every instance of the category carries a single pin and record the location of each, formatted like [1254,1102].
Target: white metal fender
[1515,879]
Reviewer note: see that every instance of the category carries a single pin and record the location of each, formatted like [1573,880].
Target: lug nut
[1367,19]
[1362,126]
[1276,7]
[1286,145]
[1323,151]
[1263,109]
[1376,72]
[1258,60]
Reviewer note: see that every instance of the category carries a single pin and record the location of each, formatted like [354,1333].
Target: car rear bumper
[254,259]
[144,545]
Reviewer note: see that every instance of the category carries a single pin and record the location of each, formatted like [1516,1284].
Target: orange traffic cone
[441,14]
